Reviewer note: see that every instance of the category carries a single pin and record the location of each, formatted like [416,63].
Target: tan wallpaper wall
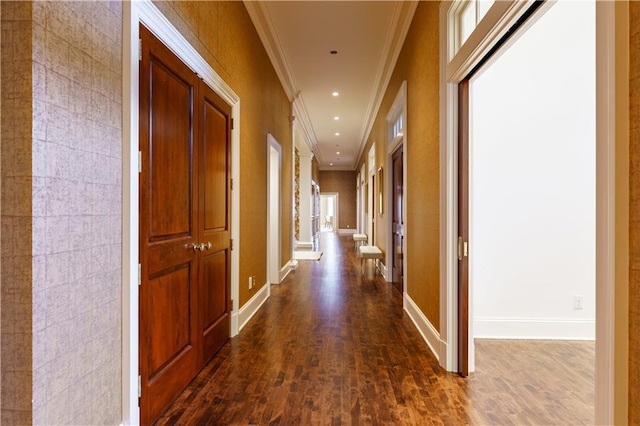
[634,213]
[224,35]
[63,177]
[344,183]
[418,64]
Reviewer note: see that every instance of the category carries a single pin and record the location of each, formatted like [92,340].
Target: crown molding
[402,17]
[263,23]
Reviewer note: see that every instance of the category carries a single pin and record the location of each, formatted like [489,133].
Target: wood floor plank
[332,347]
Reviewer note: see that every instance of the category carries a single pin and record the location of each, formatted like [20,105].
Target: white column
[305,240]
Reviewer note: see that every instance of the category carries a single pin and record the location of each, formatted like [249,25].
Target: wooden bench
[368,252]
[359,239]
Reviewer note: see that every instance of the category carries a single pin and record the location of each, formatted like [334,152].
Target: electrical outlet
[577,302]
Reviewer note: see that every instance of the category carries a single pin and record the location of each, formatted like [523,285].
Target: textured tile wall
[16,213]
[634,214]
[62,222]
[77,220]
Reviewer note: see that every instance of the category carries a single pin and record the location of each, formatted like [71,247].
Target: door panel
[215,167]
[398,219]
[216,318]
[168,332]
[170,308]
[463,228]
[215,196]
[170,159]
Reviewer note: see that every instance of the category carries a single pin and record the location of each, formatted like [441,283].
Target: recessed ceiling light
[337,134]
[336,118]
[334,52]
[335,93]
[338,153]
[331,164]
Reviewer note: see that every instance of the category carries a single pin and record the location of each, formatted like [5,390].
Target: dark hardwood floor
[331,347]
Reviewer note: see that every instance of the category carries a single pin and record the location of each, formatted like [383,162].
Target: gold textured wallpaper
[418,65]
[224,35]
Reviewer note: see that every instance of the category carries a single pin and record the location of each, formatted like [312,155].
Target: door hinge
[139,49]
[232,124]
[231,303]
[139,386]
[232,184]
[463,248]
[139,274]
[231,244]
[139,161]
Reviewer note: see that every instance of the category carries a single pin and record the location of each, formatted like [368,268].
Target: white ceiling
[299,36]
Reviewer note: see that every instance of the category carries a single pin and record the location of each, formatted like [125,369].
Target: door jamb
[147,13]
[393,144]
[610,288]
[273,144]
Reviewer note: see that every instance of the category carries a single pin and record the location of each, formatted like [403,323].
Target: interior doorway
[527,186]
[274,170]
[329,212]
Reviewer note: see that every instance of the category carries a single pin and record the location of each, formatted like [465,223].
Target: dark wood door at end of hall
[184,225]
[398,219]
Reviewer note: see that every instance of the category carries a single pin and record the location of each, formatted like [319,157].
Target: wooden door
[185,194]
[397,218]
[215,198]
[463,228]
[168,232]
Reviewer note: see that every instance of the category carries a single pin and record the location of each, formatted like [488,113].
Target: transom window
[467,14]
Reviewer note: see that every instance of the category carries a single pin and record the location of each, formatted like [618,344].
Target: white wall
[532,242]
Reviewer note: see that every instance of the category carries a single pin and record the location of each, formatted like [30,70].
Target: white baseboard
[347,231]
[287,268]
[253,305]
[424,326]
[384,271]
[534,328]
[304,245]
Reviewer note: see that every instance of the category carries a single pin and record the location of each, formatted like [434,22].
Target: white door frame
[274,216]
[608,297]
[398,107]
[371,172]
[134,13]
[336,207]
[362,228]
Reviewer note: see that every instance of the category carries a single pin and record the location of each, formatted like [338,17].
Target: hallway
[329,346]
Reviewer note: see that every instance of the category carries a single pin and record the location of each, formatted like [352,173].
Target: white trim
[424,326]
[534,328]
[274,212]
[606,112]
[499,19]
[144,11]
[291,265]
[346,231]
[254,304]
[448,203]
[304,245]
[401,22]
[451,74]
[130,208]
[398,108]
